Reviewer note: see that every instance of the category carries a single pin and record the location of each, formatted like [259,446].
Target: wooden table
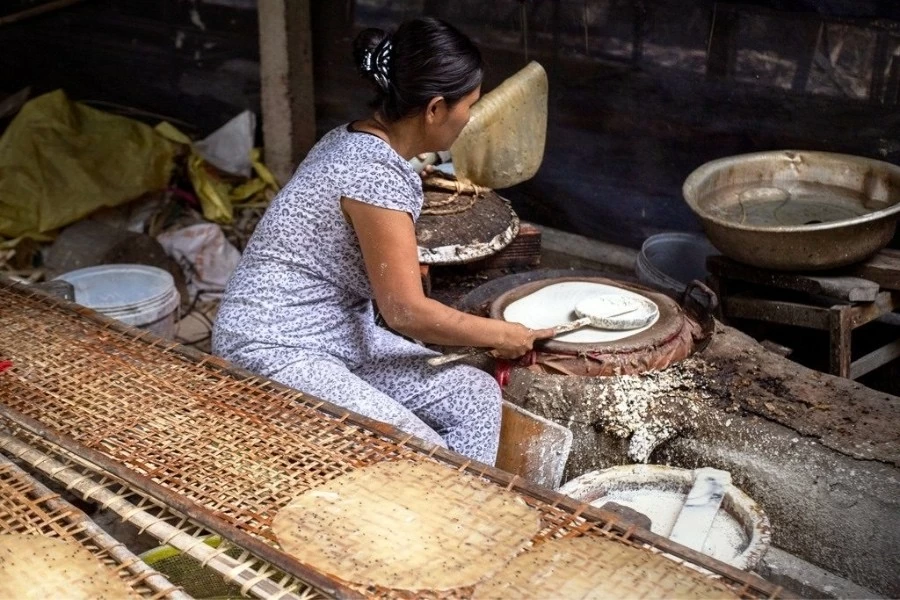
[835,301]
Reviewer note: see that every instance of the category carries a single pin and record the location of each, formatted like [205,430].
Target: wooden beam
[884,304]
[37,10]
[286,76]
[532,447]
[883,269]
[875,359]
[773,311]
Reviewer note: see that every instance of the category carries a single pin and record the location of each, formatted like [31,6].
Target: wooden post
[840,330]
[721,49]
[811,33]
[880,61]
[286,76]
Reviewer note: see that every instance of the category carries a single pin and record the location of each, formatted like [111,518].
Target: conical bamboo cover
[503,144]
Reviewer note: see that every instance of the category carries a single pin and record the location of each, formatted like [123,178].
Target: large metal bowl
[795,210]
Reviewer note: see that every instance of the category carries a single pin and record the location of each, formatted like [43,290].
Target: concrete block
[807,580]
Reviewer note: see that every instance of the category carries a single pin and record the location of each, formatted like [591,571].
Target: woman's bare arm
[388,241]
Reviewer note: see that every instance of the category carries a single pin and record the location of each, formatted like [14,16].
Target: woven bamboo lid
[470,227]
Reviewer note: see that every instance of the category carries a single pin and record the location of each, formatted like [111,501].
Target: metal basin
[794,210]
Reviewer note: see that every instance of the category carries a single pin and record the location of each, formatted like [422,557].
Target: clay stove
[820,454]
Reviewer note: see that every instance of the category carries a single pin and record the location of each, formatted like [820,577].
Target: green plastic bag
[61,160]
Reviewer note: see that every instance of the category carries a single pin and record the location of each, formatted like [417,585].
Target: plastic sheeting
[205,256]
[61,160]
[219,192]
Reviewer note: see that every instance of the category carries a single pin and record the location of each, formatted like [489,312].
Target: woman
[341,233]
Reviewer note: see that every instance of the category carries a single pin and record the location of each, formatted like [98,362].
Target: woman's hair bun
[425,58]
[373,51]
[363,47]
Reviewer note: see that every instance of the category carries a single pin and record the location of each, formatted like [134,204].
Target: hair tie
[377,63]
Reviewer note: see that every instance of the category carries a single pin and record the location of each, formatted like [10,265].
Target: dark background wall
[641,92]
[195,62]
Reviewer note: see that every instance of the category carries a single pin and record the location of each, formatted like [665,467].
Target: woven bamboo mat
[226,447]
[27,507]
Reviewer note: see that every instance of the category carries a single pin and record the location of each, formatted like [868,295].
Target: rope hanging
[463,196]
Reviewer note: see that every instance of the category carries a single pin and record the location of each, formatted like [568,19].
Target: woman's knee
[482,389]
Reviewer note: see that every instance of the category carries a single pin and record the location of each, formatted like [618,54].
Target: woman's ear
[435,111]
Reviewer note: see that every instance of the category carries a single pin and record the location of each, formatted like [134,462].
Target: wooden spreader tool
[700,508]
[602,312]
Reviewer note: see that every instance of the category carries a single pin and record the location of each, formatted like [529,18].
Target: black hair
[425,58]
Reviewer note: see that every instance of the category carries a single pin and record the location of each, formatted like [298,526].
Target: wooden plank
[852,289]
[883,269]
[286,77]
[533,447]
[589,249]
[774,311]
[839,287]
[875,359]
[884,304]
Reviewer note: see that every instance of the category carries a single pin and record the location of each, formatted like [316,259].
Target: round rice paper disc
[406,525]
[588,568]
[38,567]
[555,304]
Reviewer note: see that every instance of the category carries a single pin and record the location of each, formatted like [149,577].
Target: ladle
[588,314]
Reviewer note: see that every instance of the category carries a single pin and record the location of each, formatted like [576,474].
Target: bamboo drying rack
[226,448]
[28,507]
[254,577]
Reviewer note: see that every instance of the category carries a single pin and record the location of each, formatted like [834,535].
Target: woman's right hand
[518,339]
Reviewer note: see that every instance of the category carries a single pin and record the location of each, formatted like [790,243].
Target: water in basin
[792,203]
